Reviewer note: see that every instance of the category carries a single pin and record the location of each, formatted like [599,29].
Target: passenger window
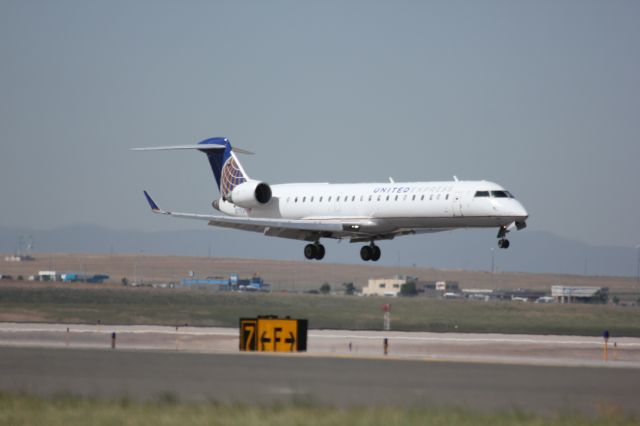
[396,198]
[431,197]
[361,198]
[413,198]
[329,198]
[320,199]
[370,196]
[296,200]
[422,198]
[379,197]
[447,197]
[387,198]
[346,198]
[311,200]
[304,199]
[482,194]
[337,198]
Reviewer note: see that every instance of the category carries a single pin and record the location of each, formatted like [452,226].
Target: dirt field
[288,275]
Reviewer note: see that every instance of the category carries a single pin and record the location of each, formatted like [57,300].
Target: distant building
[18,258]
[48,276]
[69,277]
[233,282]
[437,288]
[72,277]
[573,294]
[516,295]
[220,283]
[386,286]
[478,294]
[23,252]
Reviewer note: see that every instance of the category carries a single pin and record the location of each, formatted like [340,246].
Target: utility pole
[586,266]
[638,267]
[492,259]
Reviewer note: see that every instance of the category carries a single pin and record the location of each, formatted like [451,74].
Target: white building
[385,286]
[48,276]
[569,294]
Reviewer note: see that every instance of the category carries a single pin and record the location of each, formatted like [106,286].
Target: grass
[64,410]
[206,308]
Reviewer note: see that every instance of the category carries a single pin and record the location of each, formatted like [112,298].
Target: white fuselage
[365,212]
[420,206]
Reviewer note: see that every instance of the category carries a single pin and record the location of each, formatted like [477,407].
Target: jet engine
[251,194]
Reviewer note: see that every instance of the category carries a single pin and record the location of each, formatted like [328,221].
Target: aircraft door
[456,207]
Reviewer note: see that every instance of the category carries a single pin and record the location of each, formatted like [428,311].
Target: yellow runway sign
[272,334]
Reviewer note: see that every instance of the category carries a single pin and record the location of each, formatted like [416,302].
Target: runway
[493,348]
[341,368]
[335,381]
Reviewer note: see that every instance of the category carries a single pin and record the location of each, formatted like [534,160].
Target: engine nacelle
[251,194]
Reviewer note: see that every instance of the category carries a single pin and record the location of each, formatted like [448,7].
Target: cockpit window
[482,194]
[500,194]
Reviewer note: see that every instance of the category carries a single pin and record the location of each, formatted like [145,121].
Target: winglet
[152,203]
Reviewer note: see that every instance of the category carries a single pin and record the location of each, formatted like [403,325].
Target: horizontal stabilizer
[203,147]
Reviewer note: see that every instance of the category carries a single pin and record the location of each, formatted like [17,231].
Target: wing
[299,229]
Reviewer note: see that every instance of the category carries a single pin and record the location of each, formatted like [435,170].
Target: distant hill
[531,251]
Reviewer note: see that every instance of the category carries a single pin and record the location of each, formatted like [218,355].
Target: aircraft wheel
[503,243]
[319,252]
[375,256]
[310,251]
[366,253]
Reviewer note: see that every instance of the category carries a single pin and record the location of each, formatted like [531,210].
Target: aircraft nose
[520,211]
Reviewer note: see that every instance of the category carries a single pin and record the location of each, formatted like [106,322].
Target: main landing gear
[314,251]
[503,243]
[370,252]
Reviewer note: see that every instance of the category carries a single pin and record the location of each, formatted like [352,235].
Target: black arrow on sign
[291,340]
[264,339]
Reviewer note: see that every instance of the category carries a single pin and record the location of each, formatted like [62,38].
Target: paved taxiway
[338,380]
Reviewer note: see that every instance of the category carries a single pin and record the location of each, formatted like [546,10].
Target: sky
[542,97]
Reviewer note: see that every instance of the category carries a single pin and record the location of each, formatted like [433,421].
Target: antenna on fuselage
[391,180]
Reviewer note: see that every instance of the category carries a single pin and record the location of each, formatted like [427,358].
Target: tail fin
[225,166]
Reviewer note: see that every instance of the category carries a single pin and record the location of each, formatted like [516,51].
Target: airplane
[360,213]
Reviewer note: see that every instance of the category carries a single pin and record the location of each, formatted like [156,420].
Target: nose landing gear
[370,252]
[503,243]
[314,251]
